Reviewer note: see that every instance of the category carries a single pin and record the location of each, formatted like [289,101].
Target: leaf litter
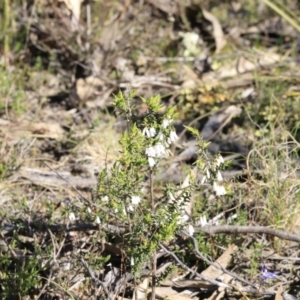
[68,122]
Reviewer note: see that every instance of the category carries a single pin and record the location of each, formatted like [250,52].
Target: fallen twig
[212,230]
[217,266]
[96,281]
[185,267]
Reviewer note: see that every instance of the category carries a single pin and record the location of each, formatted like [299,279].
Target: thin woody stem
[154,254]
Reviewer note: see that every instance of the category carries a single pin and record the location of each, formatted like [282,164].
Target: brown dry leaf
[167,6]
[178,297]
[217,30]
[278,293]
[194,283]
[87,87]
[223,261]
[49,130]
[110,35]
[165,292]
[74,7]
[244,64]
[213,272]
[43,130]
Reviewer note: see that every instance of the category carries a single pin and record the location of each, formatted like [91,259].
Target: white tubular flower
[104,198]
[219,189]
[203,221]
[220,160]
[152,132]
[72,217]
[146,132]
[160,136]
[132,261]
[89,210]
[151,161]
[173,137]
[219,176]
[171,197]
[203,180]
[97,220]
[135,200]
[191,229]
[149,132]
[150,151]
[207,174]
[166,122]
[160,150]
[124,211]
[130,208]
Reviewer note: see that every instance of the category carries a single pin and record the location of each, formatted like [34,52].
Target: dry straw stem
[277,187]
[6,26]
[276,7]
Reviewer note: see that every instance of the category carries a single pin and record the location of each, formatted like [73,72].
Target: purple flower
[265,274]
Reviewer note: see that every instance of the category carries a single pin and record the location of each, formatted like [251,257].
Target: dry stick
[55,255]
[216,265]
[212,230]
[185,267]
[13,253]
[96,281]
[44,287]
[38,226]
[196,120]
[42,291]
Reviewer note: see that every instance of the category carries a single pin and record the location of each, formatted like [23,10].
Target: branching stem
[154,254]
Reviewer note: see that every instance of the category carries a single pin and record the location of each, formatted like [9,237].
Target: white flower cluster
[149,132]
[104,198]
[135,200]
[219,189]
[160,149]
[72,217]
[191,229]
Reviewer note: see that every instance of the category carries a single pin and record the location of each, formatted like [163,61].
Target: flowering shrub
[128,195]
